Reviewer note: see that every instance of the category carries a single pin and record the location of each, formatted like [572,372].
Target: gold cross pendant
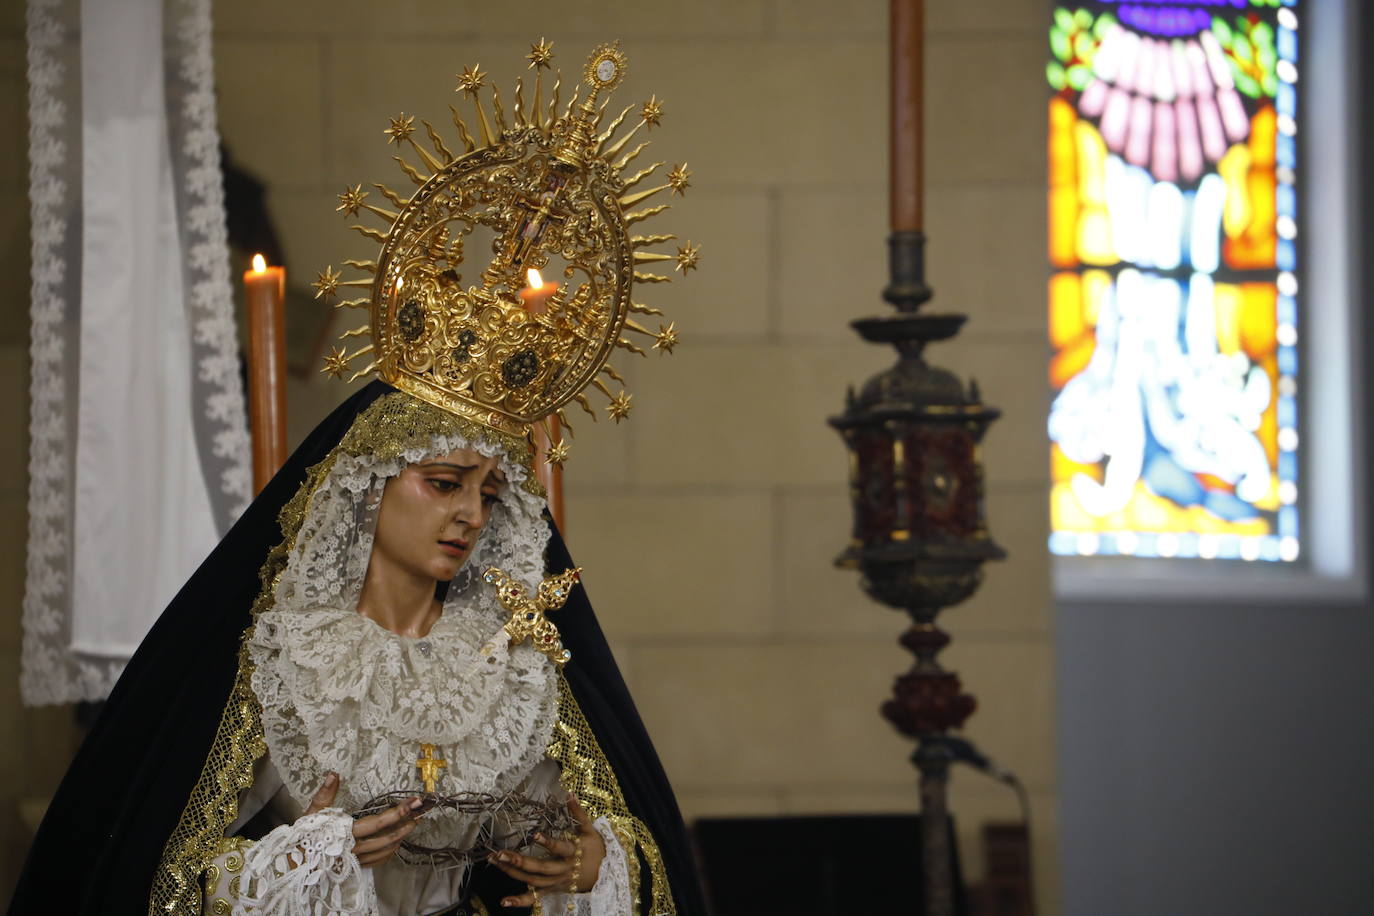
[527,620]
[429,767]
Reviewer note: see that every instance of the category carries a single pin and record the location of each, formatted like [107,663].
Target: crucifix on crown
[537,215]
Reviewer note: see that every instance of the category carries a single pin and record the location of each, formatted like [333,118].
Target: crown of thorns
[507,821]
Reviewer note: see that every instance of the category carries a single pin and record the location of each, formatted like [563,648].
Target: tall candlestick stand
[916,482]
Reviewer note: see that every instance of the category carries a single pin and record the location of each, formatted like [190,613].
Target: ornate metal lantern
[913,431]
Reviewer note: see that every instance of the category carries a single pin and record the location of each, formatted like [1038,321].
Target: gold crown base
[443,398]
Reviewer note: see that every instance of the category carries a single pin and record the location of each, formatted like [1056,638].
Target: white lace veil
[340,693]
[329,558]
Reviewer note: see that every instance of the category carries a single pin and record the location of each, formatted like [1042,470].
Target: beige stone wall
[708,521]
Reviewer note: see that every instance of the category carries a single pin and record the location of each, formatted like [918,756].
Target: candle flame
[536,281]
[259,264]
[400,281]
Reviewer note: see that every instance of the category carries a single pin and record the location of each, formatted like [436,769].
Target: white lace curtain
[139,445]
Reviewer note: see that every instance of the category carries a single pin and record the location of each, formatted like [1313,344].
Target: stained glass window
[1174,295]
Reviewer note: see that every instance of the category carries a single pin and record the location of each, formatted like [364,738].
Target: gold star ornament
[687,257]
[652,112]
[557,454]
[351,200]
[402,126]
[336,363]
[666,338]
[541,55]
[678,179]
[471,80]
[619,408]
[327,283]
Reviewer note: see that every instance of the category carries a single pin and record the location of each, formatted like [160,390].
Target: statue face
[432,513]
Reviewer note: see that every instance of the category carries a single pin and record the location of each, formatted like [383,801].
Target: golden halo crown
[540,190]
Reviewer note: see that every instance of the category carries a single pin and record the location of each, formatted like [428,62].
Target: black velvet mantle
[103,835]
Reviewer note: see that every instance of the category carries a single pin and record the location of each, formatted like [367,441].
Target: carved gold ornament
[527,620]
[536,188]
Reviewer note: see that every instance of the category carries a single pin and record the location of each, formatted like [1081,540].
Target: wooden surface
[908,17]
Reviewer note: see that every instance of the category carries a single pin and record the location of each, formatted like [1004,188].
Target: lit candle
[536,295]
[266,291]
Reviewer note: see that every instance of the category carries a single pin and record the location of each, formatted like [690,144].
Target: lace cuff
[610,896]
[301,869]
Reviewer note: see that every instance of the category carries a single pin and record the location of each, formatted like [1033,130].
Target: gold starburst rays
[551,179]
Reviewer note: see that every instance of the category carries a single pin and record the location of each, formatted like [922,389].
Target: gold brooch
[527,620]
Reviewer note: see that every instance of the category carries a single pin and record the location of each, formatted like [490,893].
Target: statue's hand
[555,874]
[377,836]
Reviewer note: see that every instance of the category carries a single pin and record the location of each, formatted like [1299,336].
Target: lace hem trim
[205,240]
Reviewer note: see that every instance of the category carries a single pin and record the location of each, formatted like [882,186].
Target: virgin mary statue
[356,705]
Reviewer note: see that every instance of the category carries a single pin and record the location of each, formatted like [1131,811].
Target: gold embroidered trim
[214,802]
[232,848]
[588,775]
[390,426]
[396,423]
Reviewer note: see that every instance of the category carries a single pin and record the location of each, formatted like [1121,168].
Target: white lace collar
[341,693]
